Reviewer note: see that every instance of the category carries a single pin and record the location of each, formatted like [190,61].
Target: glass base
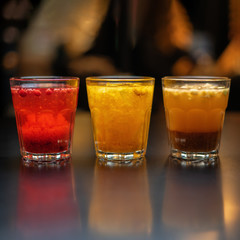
[195,157]
[121,158]
[42,158]
[121,163]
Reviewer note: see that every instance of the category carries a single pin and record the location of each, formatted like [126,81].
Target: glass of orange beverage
[195,109]
[120,111]
[45,111]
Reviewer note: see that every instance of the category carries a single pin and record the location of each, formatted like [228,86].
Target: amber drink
[120,111]
[195,109]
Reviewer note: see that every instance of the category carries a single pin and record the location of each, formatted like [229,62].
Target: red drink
[45,117]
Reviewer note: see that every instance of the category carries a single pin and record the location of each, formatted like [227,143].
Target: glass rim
[44,78]
[120,78]
[197,78]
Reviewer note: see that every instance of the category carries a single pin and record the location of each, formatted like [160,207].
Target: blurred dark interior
[111,37]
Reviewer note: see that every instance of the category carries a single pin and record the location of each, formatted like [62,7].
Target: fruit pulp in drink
[195,116]
[120,115]
[45,117]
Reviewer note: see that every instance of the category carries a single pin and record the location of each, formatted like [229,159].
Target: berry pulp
[45,117]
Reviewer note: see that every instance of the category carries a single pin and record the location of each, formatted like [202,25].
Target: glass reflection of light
[120,204]
[47,206]
[231,200]
[192,204]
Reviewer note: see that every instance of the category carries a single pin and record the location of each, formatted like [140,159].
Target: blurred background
[109,37]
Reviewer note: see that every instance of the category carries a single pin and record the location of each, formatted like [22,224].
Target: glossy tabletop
[157,199]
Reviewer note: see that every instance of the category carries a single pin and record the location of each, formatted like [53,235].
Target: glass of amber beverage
[195,109]
[120,111]
[45,111]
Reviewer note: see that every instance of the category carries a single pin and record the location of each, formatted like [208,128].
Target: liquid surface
[120,115]
[45,118]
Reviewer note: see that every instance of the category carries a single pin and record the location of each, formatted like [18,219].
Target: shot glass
[195,109]
[45,112]
[120,111]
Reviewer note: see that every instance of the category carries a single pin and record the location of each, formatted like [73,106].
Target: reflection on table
[120,204]
[231,194]
[193,211]
[46,202]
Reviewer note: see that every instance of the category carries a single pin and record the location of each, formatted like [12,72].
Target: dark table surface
[157,200]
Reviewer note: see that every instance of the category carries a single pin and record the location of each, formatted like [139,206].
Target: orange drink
[120,111]
[195,109]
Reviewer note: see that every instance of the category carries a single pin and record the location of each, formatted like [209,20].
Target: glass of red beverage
[45,111]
